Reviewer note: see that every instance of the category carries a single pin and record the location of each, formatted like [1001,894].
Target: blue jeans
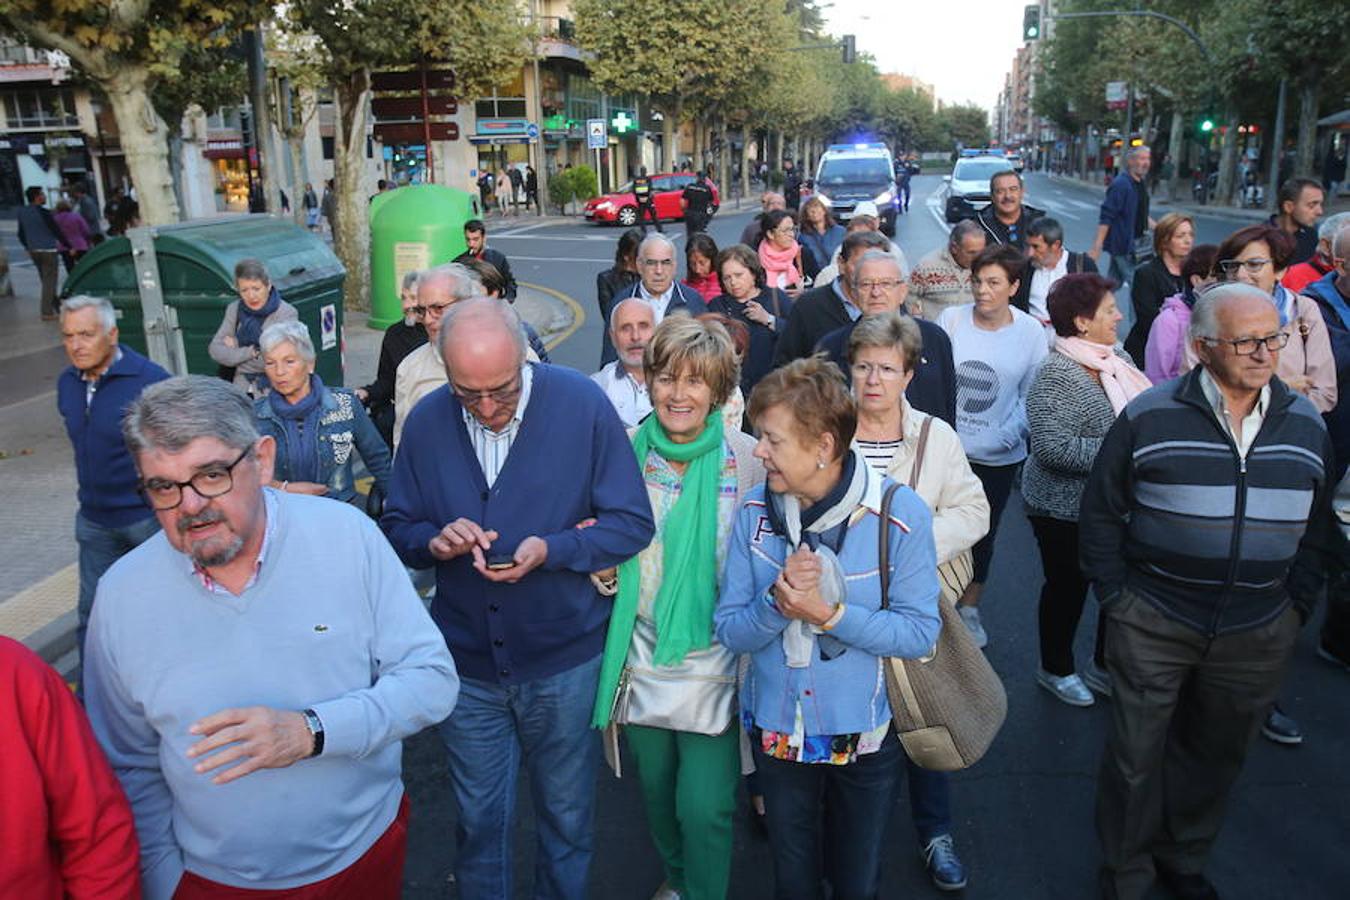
[930,801]
[547,723]
[1121,270]
[100,547]
[828,823]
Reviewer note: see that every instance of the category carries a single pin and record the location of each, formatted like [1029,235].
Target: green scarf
[688,592]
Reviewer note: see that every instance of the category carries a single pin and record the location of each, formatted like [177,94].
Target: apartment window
[506,102]
[42,108]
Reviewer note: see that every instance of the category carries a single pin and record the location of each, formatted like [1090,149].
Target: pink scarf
[1120,379]
[780,264]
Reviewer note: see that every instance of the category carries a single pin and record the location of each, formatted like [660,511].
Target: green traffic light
[1207,125]
[1033,31]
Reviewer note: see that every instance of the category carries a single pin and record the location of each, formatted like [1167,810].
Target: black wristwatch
[315,727]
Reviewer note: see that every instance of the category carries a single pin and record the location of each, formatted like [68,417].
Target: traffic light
[1031,22]
[850,49]
[1206,124]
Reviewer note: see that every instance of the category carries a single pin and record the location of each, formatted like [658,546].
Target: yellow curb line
[578,314]
[34,607]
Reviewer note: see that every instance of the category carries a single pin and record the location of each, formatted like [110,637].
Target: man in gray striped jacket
[1205,504]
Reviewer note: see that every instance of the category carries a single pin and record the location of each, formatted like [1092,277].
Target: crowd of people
[700,559]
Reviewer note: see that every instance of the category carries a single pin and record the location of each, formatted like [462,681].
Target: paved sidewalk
[1339,204]
[38,581]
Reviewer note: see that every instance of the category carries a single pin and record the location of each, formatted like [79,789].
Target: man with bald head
[1209,496]
[515,481]
[631,324]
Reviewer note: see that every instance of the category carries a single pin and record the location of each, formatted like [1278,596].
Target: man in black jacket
[1006,218]
[475,235]
[1206,501]
[1048,263]
[878,288]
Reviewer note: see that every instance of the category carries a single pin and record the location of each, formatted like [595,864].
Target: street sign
[1117,93]
[415,132]
[437,80]
[532,131]
[395,108]
[596,136]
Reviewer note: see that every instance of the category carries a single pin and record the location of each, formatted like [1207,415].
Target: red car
[621,206]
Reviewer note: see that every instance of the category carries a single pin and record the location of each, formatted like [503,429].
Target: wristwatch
[315,727]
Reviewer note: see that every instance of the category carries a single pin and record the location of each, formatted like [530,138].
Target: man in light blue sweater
[252,669]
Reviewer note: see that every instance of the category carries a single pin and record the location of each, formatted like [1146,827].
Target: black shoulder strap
[884,545]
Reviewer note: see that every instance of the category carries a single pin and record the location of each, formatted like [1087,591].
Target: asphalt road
[1023,815]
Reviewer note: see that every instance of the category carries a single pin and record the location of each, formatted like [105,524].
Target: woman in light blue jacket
[801,594]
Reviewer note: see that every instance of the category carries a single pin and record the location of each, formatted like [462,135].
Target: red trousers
[377,875]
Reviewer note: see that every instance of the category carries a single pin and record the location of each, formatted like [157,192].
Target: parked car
[966,190]
[620,207]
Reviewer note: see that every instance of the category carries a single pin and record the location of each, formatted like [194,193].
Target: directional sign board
[597,138]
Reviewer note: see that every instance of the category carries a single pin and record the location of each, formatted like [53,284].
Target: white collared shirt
[1041,282]
[659,303]
[493,447]
[1249,425]
[629,396]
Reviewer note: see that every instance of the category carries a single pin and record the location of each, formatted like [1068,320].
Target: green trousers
[689,786]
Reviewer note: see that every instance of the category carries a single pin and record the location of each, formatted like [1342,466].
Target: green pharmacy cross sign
[622,122]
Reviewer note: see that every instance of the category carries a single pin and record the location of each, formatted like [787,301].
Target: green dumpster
[196,273]
[412,228]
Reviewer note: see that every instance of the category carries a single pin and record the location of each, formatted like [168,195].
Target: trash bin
[196,274]
[412,228]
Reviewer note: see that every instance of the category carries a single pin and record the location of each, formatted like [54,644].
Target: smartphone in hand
[499,561]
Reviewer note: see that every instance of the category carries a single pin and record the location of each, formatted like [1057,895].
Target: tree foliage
[130,49]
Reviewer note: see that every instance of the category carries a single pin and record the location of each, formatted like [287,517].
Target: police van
[849,174]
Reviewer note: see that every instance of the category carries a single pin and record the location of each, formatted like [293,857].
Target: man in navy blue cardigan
[516,481]
[92,393]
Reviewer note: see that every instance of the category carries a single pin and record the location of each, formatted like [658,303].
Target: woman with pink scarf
[1081,388]
[779,252]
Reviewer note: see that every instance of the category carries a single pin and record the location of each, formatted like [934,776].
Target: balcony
[557,39]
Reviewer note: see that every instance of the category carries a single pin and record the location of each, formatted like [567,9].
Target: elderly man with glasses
[657,286]
[878,288]
[515,481]
[253,668]
[1203,507]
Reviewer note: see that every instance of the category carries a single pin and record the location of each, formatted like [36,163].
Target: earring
[820,464]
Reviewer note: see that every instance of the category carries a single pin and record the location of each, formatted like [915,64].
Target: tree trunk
[1228,160]
[352,237]
[145,141]
[670,125]
[1307,125]
[268,160]
[696,125]
[1174,149]
[295,138]
[746,136]
[176,166]
[723,158]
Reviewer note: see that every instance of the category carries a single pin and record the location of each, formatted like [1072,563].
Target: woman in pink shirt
[74,234]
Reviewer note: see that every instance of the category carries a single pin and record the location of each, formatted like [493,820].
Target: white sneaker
[971,616]
[666,892]
[1067,688]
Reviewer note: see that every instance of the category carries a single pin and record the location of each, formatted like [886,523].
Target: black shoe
[1187,886]
[1281,729]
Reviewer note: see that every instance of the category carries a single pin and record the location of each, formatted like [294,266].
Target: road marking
[578,314]
[521,229]
[545,237]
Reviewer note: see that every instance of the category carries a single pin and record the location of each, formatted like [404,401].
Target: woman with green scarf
[663,677]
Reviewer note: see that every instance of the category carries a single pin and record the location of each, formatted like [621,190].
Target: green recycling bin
[412,228]
[196,273]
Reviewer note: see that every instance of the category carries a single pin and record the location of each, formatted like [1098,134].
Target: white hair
[288,332]
[654,237]
[107,316]
[1205,315]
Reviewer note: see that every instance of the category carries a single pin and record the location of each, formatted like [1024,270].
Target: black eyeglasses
[213,481]
[1248,346]
[504,394]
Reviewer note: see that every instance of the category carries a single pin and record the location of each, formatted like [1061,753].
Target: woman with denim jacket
[801,594]
[316,427]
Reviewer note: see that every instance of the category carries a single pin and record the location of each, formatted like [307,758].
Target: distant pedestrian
[92,395]
[328,207]
[310,201]
[235,346]
[87,207]
[646,203]
[502,188]
[301,657]
[475,238]
[74,234]
[532,190]
[112,211]
[700,252]
[820,237]
[1333,168]
[485,192]
[517,185]
[40,235]
[493,476]
[1159,278]
[696,201]
[792,186]
[1123,222]
[1203,604]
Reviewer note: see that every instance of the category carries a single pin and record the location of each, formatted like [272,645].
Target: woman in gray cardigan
[236,343]
[1079,391]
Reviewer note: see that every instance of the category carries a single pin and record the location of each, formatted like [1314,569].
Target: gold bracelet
[834,618]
